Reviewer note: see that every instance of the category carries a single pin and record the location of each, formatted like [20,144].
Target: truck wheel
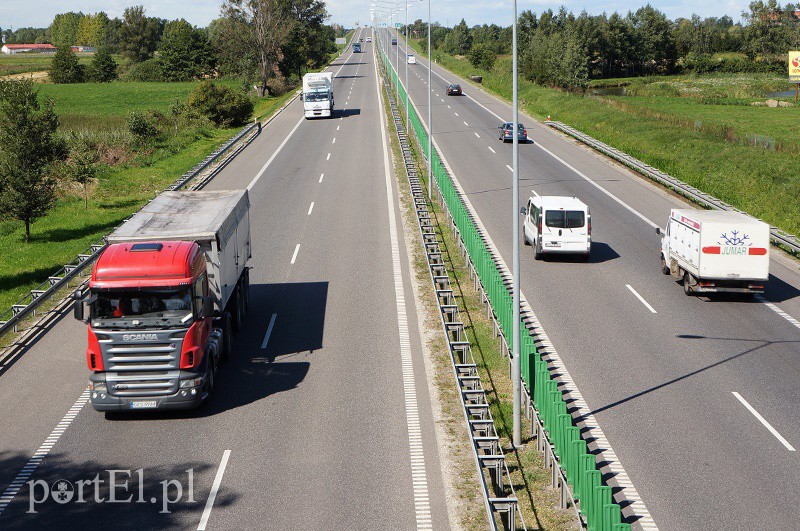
[246,292]
[664,266]
[687,287]
[208,388]
[537,250]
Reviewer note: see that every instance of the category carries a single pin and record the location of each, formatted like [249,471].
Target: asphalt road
[660,384]
[309,426]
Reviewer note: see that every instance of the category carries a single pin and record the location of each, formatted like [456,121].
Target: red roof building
[23,48]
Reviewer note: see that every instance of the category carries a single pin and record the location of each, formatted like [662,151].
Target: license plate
[552,244]
[143,404]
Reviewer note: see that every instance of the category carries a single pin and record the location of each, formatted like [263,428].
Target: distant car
[412,60]
[454,90]
[356,48]
[505,134]
[394,41]
[369,39]
[360,40]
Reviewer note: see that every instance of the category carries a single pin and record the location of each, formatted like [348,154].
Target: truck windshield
[141,308]
[565,219]
[316,96]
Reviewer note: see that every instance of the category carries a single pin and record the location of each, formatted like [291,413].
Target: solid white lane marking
[321,175]
[328,157]
[641,298]
[492,150]
[416,451]
[763,421]
[294,256]
[509,168]
[476,134]
[214,489]
[269,331]
[38,456]
[310,208]
[777,310]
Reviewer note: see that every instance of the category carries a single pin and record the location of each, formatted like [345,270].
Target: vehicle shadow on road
[347,113]
[779,291]
[601,252]
[89,513]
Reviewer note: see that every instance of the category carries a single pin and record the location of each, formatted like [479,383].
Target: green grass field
[21,63]
[699,139]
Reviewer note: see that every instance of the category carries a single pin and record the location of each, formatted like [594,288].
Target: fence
[558,436]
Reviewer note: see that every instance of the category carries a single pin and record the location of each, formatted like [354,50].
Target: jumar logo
[796,62]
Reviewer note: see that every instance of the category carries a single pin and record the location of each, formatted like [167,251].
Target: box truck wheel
[687,284]
[235,307]
[664,266]
[227,336]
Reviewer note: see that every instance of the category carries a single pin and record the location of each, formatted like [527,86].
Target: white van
[412,60]
[557,224]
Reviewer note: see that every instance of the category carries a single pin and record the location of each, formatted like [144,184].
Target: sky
[39,13]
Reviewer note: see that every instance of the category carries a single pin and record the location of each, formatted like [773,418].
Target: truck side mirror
[208,306]
[77,305]
[658,231]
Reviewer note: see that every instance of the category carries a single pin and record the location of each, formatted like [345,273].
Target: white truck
[317,95]
[164,298]
[714,251]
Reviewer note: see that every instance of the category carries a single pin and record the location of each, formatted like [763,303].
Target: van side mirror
[77,306]
[523,211]
[301,96]
[658,231]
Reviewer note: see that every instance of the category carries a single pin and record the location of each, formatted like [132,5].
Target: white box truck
[714,251]
[163,299]
[317,95]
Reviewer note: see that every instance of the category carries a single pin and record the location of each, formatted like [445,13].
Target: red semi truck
[163,299]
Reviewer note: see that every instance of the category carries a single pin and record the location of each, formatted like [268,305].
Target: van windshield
[565,219]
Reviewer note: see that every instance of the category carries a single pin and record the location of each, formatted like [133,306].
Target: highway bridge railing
[574,466]
[779,237]
[40,299]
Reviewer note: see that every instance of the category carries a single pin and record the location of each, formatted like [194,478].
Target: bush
[482,57]
[220,104]
[141,126]
[65,68]
[149,70]
[104,67]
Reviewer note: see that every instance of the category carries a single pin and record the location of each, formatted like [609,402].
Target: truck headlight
[98,386]
[194,382]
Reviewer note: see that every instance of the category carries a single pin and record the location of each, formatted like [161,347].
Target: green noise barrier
[579,466]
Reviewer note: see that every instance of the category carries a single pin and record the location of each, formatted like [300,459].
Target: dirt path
[38,77]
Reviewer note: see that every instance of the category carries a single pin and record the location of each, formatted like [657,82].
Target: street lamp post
[430,114]
[516,361]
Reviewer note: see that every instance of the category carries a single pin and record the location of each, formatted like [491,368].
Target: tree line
[260,41]
[565,50]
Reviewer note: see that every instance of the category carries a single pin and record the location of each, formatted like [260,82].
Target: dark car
[505,134]
[453,90]
[360,40]
[394,41]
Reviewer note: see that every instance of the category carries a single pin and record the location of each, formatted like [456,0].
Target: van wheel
[537,250]
[525,239]
[687,287]
[664,266]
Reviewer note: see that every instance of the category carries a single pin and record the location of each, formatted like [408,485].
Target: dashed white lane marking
[321,175]
[465,123]
[652,310]
[509,168]
[476,134]
[334,140]
[214,490]
[310,208]
[418,475]
[763,421]
[39,455]
[449,107]
[269,331]
[442,99]
[455,113]
[296,250]
[492,150]
[328,157]
[337,127]
[777,310]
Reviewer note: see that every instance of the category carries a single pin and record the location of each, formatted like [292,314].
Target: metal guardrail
[780,238]
[486,447]
[61,279]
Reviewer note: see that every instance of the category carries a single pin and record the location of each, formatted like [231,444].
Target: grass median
[714,132]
